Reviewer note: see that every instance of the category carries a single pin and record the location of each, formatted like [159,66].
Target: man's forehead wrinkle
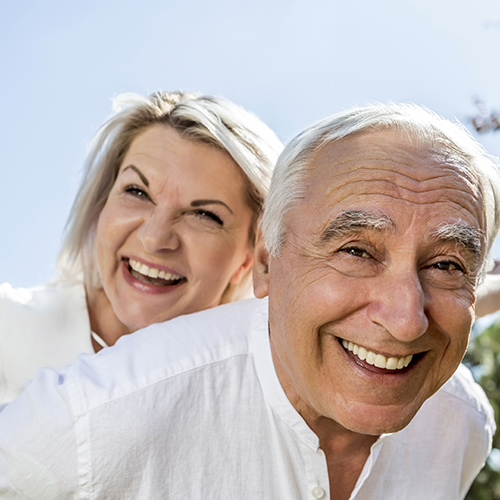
[457,195]
[445,161]
[416,187]
[351,221]
[413,174]
[398,196]
[416,179]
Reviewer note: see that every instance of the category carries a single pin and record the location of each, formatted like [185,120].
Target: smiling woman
[164,224]
[178,208]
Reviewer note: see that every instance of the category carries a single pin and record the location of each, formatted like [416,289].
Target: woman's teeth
[152,272]
[378,360]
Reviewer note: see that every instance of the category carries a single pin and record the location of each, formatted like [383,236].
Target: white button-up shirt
[193,409]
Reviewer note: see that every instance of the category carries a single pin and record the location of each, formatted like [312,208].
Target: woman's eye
[207,214]
[137,191]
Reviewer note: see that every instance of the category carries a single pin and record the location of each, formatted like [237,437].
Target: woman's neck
[103,320]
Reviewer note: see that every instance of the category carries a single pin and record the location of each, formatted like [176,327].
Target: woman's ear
[244,268]
[261,268]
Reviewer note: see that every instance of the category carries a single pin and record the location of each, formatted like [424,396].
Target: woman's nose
[159,233]
[399,306]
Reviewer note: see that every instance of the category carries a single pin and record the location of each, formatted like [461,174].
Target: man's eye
[356,252]
[448,265]
[207,214]
[137,191]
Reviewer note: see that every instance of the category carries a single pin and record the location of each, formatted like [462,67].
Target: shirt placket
[318,487]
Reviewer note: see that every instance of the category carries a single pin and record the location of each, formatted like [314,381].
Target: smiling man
[371,287]
[343,382]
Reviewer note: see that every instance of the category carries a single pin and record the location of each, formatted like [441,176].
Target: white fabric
[99,340]
[40,327]
[193,409]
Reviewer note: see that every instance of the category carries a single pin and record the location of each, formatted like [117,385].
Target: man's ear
[260,268]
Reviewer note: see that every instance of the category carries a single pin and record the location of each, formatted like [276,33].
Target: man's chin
[374,421]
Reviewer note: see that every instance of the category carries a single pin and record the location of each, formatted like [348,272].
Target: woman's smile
[144,284]
[153,275]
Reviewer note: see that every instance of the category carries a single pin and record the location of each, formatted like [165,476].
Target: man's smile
[376,359]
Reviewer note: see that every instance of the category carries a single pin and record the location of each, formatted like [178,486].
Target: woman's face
[174,230]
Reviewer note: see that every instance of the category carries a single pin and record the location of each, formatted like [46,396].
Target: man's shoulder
[227,327]
[163,352]
[467,395]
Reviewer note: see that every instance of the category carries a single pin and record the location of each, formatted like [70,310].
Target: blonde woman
[163,225]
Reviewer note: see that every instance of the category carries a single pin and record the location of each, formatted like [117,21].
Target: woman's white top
[46,326]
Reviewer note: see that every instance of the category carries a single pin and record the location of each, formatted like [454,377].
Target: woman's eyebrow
[200,203]
[138,172]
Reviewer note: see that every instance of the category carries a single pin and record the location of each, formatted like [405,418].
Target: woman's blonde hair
[213,120]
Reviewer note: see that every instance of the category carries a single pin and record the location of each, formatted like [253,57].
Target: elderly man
[343,383]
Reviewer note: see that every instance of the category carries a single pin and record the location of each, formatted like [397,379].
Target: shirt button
[318,492]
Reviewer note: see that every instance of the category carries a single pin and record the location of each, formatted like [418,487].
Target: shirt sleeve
[38,452]
[488,295]
[476,431]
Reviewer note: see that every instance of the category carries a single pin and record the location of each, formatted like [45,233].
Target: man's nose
[399,306]
[158,232]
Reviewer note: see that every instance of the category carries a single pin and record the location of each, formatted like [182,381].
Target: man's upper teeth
[378,360]
[152,272]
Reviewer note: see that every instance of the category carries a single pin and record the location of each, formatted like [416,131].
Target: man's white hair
[425,126]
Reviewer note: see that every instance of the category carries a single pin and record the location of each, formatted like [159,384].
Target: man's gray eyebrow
[463,235]
[351,221]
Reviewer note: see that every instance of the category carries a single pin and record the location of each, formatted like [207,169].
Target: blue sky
[291,62]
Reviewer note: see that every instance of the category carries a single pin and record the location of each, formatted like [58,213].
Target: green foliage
[483,358]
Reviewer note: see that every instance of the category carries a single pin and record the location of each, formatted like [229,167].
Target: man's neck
[346,453]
